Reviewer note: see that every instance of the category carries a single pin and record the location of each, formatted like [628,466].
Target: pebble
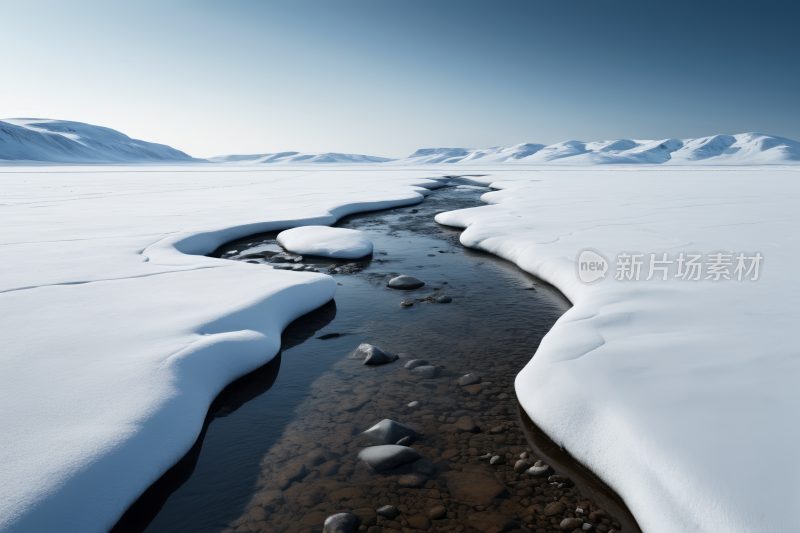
[437,512]
[466,423]
[538,470]
[587,526]
[568,524]
[419,521]
[372,355]
[521,466]
[340,523]
[387,511]
[485,457]
[496,430]
[495,460]
[413,405]
[425,371]
[405,283]
[469,379]
[385,432]
[298,259]
[298,268]
[444,300]
[388,456]
[413,481]
[414,363]
[407,303]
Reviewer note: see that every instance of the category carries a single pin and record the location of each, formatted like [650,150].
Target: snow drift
[63,141]
[326,241]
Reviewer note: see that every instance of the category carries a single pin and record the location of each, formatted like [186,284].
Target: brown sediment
[586,480]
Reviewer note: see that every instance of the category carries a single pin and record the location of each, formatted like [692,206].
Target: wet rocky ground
[288,458]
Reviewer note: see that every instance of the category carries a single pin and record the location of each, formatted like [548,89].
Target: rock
[298,268]
[270,500]
[524,455]
[490,522]
[413,481]
[425,371]
[474,485]
[406,441]
[419,521]
[331,468]
[444,300]
[372,355]
[340,523]
[521,466]
[554,508]
[469,379]
[366,517]
[407,303]
[414,363]
[538,470]
[385,432]
[290,473]
[278,259]
[388,456]
[496,430]
[587,526]
[495,460]
[475,389]
[568,524]
[423,466]
[387,511]
[405,283]
[437,512]
[466,423]
[413,405]
[485,457]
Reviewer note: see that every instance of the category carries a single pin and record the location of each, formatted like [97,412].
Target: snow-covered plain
[117,335]
[326,242]
[681,395]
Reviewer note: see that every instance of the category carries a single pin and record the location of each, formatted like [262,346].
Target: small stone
[425,371]
[372,355]
[298,268]
[413,481]
[469,379]
[298,259]
[554,508]
[495,460]
[466,423]
[437,512]
[414,363]
[521,466]
[413,405]
[485,457]
[444,300]
[568,524]
[419,521]
[388,456]
[523,455]
[387,511]
[538,471]
[405,283]
[407,303]
[587,526]
[340,523]
[496,430]
[385,432]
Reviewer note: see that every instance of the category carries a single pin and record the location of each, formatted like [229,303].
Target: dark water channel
[278,451]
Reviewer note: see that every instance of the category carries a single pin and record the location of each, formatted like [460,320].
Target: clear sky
[385,77]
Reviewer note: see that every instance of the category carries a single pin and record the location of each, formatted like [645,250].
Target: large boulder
[372,355]
[385,432]
[405,283]
[388,456]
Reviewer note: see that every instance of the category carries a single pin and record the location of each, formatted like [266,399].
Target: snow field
[326,241]
[117,334]
[678,394]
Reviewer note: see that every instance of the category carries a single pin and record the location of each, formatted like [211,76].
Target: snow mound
[291,158]
[63,141]
[325,241]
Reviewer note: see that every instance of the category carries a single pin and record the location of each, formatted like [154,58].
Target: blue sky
[383,77]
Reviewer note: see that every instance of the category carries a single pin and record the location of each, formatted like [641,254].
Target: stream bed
[278,452]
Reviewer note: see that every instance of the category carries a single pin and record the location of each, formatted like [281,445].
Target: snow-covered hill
[289,158]
[741,149]
[63,141]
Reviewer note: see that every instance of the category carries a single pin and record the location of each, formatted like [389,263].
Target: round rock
[405,283]
[424,371]
[414,363]
[538,471]
[372,355]
[407,303]
[568,524]
[444,300]
[412,481]
[469,379]
[387,511]
[385,432]
[413,405]
[388,456]
[437,512]
[340,523]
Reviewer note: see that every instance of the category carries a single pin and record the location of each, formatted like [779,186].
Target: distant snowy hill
[741,149]
[63,141]
[288,158]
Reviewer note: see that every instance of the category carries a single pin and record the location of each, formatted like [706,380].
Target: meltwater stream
[311,400]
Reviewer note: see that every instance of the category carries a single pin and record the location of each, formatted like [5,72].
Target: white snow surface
[326,241]
[117,333]
[64,141]
[682,396]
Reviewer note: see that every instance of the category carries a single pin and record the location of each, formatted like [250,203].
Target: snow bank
[117,336]
[325,241]
[681,395]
